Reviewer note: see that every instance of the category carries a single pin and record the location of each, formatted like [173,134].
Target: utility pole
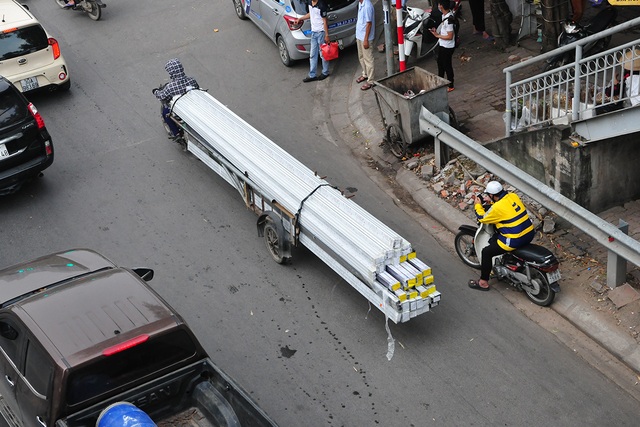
[403,62]
[387,38]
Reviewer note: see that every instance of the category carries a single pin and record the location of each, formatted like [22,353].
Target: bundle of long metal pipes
[365,245]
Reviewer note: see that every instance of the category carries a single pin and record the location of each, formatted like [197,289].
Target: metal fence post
[575,105]
[616,265]
[509,105]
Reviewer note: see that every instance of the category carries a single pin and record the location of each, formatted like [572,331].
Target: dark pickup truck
[78,334]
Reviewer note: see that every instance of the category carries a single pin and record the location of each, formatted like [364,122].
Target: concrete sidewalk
[478,101]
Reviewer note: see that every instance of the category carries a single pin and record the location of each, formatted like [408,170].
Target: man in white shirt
[365,25]
[446,43]
[319,33]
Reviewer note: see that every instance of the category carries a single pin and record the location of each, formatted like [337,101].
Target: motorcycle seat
[536,253]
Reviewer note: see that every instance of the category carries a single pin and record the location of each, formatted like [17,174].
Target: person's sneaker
[323,76]
[450,89]
[309,79]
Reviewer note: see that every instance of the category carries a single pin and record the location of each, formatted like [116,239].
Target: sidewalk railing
[574,91]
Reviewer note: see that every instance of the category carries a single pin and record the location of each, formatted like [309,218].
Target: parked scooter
[93,8]
[572,32]
[417,23]
[532,268]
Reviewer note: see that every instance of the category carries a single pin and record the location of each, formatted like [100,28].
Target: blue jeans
[317,38]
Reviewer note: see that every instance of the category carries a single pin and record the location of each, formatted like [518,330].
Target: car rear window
[12,107]
[111,372]
[21,41]
[300,6]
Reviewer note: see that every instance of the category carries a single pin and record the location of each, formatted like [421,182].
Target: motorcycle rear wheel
[93,10]
[541,294]
[466,250]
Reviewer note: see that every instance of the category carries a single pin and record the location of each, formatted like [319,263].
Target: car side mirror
[145,274]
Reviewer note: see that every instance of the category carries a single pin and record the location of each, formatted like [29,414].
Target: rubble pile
[461,178]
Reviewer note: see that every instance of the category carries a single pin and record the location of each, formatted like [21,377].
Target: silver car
[276,19]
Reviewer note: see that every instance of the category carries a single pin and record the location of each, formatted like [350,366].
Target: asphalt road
[308,348]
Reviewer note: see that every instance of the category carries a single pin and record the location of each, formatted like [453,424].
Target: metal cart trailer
[400,98]
[296,206]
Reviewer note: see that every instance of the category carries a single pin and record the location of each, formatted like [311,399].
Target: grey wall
[597,176]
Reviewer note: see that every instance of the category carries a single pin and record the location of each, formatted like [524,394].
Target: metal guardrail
[574,91]
[603,232]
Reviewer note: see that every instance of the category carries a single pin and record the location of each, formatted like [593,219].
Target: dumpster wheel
[395,141]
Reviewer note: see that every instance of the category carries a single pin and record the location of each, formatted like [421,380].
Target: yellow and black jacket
[511,220]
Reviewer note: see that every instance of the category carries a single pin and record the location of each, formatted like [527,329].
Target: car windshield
[12,108]
[22,41]
[112,372]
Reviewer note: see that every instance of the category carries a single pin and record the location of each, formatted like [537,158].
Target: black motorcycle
[93,8]
[572,32]
[167,111]
[532,268]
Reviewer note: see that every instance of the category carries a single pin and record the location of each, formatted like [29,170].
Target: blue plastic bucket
[124,414]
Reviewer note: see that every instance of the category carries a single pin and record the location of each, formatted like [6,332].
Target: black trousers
[477,12]
[491,250]
[445,63]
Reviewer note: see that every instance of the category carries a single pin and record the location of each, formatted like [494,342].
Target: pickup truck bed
[199,395]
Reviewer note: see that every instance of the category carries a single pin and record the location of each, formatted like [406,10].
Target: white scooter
[532,268]
[416,32]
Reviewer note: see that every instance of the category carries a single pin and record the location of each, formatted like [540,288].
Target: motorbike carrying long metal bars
[366,253]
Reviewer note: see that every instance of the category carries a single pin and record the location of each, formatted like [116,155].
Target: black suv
[25,145]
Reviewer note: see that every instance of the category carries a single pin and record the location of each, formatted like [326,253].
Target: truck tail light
[55,47]
[291,23]
[34,112]
[125,345]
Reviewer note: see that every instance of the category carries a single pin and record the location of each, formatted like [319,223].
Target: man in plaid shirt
[178,85]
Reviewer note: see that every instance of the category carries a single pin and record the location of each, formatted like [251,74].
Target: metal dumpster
[400,98]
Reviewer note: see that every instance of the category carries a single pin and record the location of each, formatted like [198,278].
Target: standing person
[477,12]
[514,228]
[319,32]
[446,43]
[578,7]
[365,25]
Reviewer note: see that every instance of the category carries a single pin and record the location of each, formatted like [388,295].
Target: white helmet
[493,187]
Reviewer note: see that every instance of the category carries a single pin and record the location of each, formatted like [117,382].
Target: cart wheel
[272,241]
[395,140]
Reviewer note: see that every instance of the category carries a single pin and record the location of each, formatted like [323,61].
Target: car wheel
[239,7]
[284,53]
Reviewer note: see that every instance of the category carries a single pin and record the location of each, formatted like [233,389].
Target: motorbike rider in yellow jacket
[514,228]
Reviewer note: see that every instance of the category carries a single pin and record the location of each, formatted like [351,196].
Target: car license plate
[554,276]
[3,151]
[29,83]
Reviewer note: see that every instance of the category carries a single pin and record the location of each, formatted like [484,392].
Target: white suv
[29,57]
